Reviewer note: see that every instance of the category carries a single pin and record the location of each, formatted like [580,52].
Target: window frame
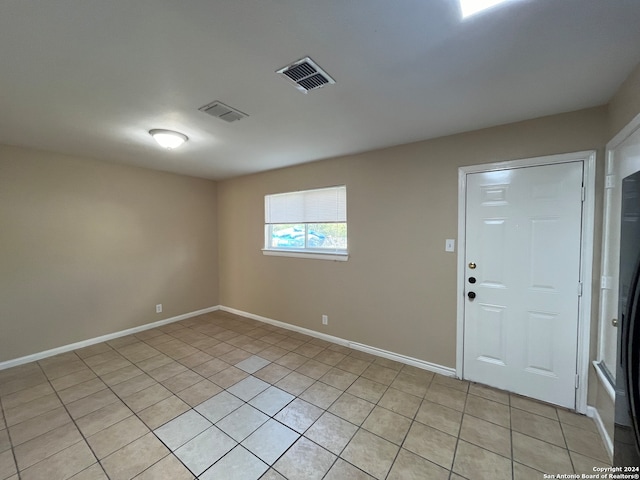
[336,254]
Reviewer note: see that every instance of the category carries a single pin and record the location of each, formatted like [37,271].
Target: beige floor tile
[103,418]
[399,402]
[28,394]
[39,425]
[313,369]
[331,432]
[7,464]
[339,379]
[342,470]
[305,460]
[352,365]
[102,357]
[292,360]
[229,377]
[475,462]
[329,357]
[81,390]
[295,383]
[133,459]
[147,397]
[90,404]
[432,444]
[273,353]
[199,453]
[121,375]
[409,466]
[540,455]
[585,465]
[352,409]
[451,382]
[522,472]
[534,406]
[367,389]
[239,463]
[235,356]
[133,385]
[94,472]
[577,420]
[62,369]
[93,350]
[446,396]
[488,410]
[195,359]
[171,369]
[113,438]
[489,393]
[63,383]
[181,381]
[585,442]
[182,429]
[321,395]
[412,384]
[536,426]
[31,409]
[212,367]
[169,468]
[388,425]
[14,385]
[154,362]
[198,393]
[5,443]
[309,350]
[111,366]
[163,411]
[270,441]
[438,416]
[271,401]
[45,445]
[392,364]
[487,435]
[63,464]
[219,349]
[380,374]
[370,453]
[272,373]
[299,415]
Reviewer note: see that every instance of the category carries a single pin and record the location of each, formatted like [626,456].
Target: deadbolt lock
[472,265]
[614,322]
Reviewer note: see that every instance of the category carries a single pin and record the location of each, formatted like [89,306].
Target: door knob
[471,295]
[472,265]
[614,322]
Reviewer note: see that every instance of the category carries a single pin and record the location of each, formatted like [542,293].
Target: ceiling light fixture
[167,138]
[471,7]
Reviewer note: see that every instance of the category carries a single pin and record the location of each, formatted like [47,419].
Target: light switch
[450,245]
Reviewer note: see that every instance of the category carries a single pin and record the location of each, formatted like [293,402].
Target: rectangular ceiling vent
[305,75]
[223,112]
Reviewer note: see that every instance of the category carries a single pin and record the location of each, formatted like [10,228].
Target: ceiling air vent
[305,75]
[223,112]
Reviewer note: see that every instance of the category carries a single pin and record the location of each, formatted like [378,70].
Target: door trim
[588,159]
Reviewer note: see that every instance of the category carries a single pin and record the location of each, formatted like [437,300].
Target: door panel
[523,230]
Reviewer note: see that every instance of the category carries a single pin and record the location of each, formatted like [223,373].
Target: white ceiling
[91,77]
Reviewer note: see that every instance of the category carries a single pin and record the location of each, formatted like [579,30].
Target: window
[309,223]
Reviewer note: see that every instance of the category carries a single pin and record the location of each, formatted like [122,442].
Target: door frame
[588,159]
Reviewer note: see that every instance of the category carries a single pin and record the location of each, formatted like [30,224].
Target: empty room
[329,240]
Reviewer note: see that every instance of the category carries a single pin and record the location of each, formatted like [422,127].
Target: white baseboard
[592,412]
[415,362]
[104,338]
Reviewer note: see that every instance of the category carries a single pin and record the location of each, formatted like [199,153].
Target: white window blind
[323,205]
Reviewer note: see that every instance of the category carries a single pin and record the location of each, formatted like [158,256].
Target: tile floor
[223,397]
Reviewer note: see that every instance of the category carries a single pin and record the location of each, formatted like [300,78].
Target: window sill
[336,257]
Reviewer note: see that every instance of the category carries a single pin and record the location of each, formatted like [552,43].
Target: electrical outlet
[325,319]
[159,308]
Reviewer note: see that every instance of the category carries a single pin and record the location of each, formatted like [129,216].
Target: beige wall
[89,248]
[398,289]
[625,104]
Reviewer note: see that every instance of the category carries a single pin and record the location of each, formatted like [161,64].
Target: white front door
[522,262]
